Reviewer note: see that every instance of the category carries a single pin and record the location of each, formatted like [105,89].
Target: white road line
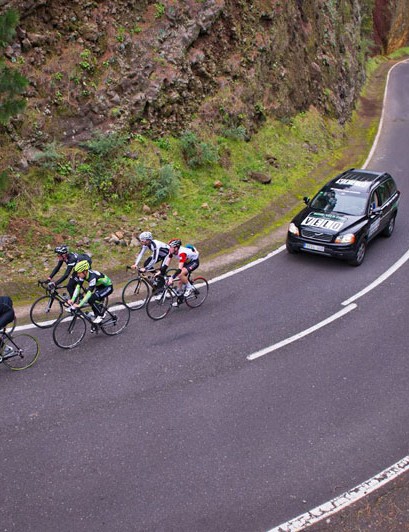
[379,280]
[296,337]
[325,510]
[378,134]
[247,266]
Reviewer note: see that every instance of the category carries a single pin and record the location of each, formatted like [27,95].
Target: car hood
[326,222]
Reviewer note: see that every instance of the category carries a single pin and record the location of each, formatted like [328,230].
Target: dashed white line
[379,280]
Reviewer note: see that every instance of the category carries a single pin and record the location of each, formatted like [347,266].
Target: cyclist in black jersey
[6,311]
[99,287]
[159,251]
[70,259]
[6,316]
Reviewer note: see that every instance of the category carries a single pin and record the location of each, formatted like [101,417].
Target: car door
[385,192]
[374,214]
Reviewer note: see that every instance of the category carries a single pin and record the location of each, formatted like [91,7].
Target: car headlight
[348,238]
[293,229]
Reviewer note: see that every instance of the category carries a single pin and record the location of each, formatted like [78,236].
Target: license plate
[314,247]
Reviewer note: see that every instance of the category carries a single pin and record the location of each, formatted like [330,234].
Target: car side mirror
[306,200]
[375,210]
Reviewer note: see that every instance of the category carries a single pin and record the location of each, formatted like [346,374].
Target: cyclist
[159,251]
[188,259]
[99,287]
[6,316]
[6,311]
[70,259]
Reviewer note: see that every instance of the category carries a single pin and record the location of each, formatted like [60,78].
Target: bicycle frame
[147,275]
[53,293]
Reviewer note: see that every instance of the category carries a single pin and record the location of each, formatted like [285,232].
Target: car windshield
[341,201]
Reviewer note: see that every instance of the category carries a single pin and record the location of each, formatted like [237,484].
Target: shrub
[196,152]
[106,145]
[235,133]
[157,185]
[164,183]
[50,156]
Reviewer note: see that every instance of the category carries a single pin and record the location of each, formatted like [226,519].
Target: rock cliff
[163,66]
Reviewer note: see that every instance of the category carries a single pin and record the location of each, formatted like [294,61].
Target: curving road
[173,427]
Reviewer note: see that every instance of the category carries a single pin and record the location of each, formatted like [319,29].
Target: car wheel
[387,232]
[359,254]
[290,249]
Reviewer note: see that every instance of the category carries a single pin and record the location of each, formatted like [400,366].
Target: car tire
[387,232]
[359,253]
[290,249]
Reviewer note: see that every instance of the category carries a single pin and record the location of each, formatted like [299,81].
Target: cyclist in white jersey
[159,250]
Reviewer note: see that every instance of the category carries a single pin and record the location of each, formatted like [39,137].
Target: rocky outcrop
[165,66]
[391,24]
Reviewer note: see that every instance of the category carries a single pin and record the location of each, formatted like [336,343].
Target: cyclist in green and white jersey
[99,287]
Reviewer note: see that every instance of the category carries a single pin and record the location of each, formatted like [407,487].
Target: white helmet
[146,235]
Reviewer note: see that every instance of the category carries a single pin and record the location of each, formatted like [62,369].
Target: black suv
[345,215]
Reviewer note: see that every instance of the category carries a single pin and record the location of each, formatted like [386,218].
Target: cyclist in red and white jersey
[188,260]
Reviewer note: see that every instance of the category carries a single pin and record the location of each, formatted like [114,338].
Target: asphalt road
[170,427]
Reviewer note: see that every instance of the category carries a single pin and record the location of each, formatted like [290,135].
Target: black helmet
[61,250]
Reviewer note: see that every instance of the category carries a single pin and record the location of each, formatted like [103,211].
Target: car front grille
[316,235]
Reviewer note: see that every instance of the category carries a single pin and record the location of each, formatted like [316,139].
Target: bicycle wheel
[135,293]
[199,292]
[45,311]
[69,331]
[20,351]
[159,304]
[116,319]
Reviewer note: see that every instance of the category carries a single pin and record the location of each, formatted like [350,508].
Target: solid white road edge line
[300,335]
[247,266]
[325,510]
[378,134]
[379,280]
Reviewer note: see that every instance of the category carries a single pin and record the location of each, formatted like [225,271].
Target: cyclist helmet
[81,266]
[61,250]
[175,243]
[146,235]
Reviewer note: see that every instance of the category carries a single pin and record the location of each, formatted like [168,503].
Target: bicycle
[136,292]
[70,330]
[18,352]
[160,303]
[47,309]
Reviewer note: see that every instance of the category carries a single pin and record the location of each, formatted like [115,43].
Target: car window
[341,201]
[390,186]
[382,194]
[375,200]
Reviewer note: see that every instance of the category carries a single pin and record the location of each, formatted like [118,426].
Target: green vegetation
[86,193]
[12,83]
[159,10]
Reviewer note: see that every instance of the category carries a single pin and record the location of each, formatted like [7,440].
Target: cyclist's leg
[191,267]
[97,298]
[6,318]
[71,285]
